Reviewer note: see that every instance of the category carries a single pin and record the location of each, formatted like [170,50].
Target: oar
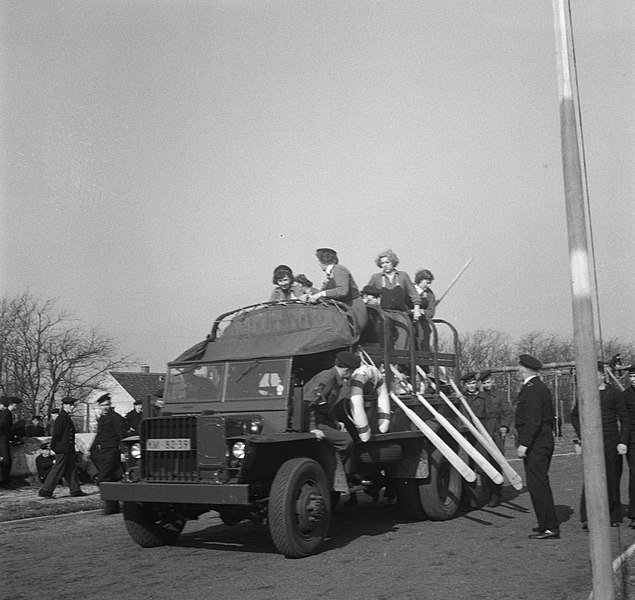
[453,458]
[480,460]
[489,445]
[486,441]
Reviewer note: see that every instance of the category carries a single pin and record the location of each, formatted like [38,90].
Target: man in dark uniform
[134,417]
[7,405]
[322,394]
[534,426]
[44,462]
[63,444]
[497,419]
[104,451]
[629,400]
[35,429]
[613,411]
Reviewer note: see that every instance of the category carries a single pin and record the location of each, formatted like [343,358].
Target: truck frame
[233,434]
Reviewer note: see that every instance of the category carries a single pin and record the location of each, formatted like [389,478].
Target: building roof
[139,385]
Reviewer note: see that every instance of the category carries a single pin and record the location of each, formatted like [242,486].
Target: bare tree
[485,349]
[46,354]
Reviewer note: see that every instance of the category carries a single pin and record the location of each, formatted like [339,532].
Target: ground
[374,553]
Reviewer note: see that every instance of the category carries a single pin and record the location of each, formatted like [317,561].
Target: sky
[160,158]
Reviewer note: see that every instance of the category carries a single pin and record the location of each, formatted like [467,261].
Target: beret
[347,359]
[44,446]
[483,375]
[530,362]
[371,291]
[69,400]
[103,398]
[469,376]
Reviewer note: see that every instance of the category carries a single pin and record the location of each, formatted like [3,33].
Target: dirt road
[374,554]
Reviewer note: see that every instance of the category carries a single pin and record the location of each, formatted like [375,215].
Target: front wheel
[150,525]
[299,508]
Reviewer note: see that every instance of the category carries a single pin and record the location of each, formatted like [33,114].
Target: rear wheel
[438,497]
[150,525]
[299,508]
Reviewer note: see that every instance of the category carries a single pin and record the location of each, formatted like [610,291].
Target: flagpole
[595,487]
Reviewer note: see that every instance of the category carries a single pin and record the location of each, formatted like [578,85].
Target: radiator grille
[170,465]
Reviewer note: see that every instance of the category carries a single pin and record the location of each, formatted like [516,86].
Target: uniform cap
[483,375]
[69,400]
[530,362]
[468,377]
[55,411]
[347,359]
[44,446]
[103,399]
[137,402]
[7,400]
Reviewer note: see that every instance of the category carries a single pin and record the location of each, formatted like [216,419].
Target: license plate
[168,444]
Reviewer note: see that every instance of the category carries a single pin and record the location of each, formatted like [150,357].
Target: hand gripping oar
[480,460]
[453,458]
[480,434]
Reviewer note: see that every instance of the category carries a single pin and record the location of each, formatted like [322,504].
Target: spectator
[35,429]
[104,451]
[63,444]
[7,406]
[134,417]
[44,462]
[423,280]
[51,422]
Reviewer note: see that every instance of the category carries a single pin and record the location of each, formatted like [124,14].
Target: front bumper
[176,493]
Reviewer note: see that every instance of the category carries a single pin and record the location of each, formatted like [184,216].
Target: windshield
[226,382]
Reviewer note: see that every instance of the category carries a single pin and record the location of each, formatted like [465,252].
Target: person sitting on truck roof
[340,285]
[369,380]
[397,295]
[286,288]
[423,280]
[322,394]
[306,287]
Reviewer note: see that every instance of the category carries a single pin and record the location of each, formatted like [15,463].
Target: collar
[329,270]
[528,378]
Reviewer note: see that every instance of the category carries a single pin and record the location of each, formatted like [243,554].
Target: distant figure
[286,289]
[340,285]
[35,429]
[104,451]
[423,281]
[7,406]
[158,402]
[134,417]
[51,422]
[398,294]
[615,433]
[496,416]
[44,462]
[63,444]
[534,426]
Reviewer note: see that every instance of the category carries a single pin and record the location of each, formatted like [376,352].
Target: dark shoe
[79,494]
[585,526]
[537,530]
[43,494]
[545,535]
[111,510]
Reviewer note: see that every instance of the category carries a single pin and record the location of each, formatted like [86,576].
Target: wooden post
[583,328]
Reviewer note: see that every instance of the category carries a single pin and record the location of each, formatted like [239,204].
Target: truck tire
[441,492]
[299,509]
[438,497]
[148,527]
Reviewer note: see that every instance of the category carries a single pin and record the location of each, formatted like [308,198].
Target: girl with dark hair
[286,287]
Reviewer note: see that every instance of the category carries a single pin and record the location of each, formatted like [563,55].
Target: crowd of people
[405,302]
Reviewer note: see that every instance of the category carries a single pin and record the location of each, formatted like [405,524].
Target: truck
[233,437]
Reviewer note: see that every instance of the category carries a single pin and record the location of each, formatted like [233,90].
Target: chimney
[145,369]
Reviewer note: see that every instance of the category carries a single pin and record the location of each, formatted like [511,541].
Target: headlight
[255,426]
[238,450]
[135,450]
